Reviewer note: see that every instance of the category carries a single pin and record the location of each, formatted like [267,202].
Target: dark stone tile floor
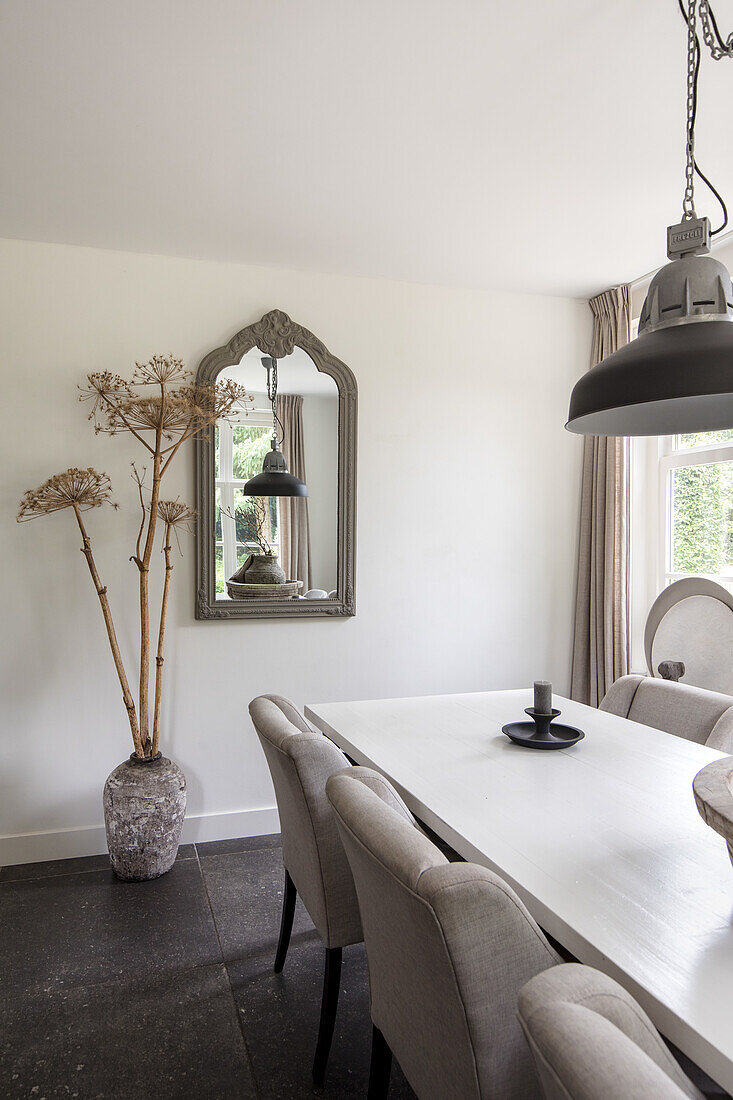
[165,989]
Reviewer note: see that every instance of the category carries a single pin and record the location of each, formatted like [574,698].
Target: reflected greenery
[249,447]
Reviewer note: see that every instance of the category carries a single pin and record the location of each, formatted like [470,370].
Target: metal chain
[711,39]
[272,396]
[688,202]
[718,49]
[272,380]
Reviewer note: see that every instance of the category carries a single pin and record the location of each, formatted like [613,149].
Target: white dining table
[602,841]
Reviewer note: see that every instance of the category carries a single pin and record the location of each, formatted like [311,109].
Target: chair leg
[329,1004]
[286,922]
[380,1067]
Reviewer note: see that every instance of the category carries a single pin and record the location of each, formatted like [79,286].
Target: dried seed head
[162,369]
[83,489]
[177,408]
[175,513]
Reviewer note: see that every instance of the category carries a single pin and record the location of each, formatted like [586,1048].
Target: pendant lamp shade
[275,481]
[678,375]
[676,380]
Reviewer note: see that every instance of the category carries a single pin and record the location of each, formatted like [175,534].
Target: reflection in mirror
[261,553]
[297,534]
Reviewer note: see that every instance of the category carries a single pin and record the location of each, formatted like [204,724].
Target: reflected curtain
[601,642]
[295,538]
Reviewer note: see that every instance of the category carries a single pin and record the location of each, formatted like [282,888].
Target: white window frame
[256,418]
[673,457]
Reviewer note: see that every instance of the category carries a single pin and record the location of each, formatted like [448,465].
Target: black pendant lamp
[274,481]
[678,375]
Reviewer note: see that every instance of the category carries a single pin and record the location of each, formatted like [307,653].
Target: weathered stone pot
[144,806]
[264,569]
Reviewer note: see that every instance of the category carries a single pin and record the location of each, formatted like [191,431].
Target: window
[240,451]
[696,496]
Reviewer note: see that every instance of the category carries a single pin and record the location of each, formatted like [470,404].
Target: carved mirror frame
[275,334]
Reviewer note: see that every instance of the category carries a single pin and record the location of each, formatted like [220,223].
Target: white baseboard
[89,840]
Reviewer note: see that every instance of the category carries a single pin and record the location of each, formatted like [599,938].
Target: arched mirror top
[276,335]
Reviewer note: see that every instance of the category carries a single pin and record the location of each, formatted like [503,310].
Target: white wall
[436,613]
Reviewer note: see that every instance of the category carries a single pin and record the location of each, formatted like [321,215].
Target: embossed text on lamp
[678,375]
[274,481]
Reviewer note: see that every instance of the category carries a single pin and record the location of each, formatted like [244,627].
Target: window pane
[702,519]
[217,465]
[220,587]
[249,446]
[251,511]
[703,439]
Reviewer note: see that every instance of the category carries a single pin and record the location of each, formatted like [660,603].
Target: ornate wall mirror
[278,556]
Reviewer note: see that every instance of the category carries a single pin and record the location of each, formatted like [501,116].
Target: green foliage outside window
[702,516]
[704,439]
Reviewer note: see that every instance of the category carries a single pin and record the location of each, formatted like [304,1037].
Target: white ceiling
[526,145]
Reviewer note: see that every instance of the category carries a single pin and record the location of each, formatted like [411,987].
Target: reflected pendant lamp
[275,480]
[678,375]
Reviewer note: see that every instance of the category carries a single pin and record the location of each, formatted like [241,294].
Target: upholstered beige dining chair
[300,761]
[690,712]
[591,1041]
[449,945]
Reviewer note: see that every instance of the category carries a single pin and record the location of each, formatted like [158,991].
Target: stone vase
[264,569]
[144,806]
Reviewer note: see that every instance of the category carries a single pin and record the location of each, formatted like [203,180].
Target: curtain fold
[601,643]
[295,541]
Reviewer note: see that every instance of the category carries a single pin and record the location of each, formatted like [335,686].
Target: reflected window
[240,451]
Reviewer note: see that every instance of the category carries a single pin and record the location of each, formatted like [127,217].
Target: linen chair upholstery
[591,1041]
[300,761]
[448,946]
[686,711]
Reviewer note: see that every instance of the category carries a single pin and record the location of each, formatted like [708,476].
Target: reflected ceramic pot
[144,806]
[264,569]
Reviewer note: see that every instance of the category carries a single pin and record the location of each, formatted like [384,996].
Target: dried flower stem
[144,567]
[176,412]
[112,636]
[159,660]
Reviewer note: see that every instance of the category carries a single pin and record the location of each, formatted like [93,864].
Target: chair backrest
[300,761]
[448,945]
[686,711]
[591,1041]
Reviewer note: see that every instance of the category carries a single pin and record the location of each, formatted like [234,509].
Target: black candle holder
[540,733]
[542,722]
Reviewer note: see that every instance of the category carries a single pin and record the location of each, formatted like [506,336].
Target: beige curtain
[601,639]
[295,539]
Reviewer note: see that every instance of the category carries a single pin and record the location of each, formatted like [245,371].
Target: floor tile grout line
[236,852]
[238,1014]
[91,870]
[69,874]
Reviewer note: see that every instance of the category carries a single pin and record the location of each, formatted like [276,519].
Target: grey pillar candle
[542,696]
